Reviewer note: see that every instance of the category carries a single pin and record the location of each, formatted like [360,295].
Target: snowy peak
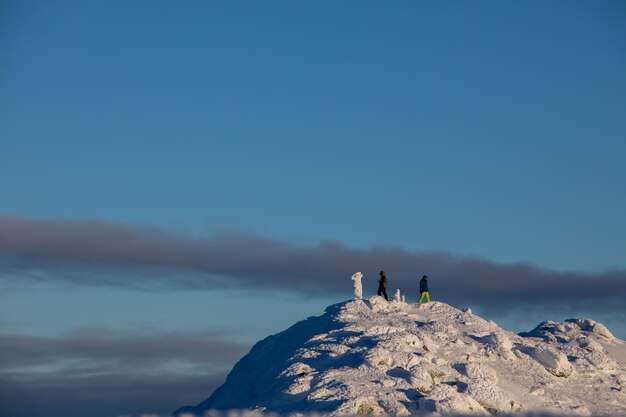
[377,357]
[571,329]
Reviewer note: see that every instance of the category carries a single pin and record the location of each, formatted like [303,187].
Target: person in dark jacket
[382,285]
[424,290]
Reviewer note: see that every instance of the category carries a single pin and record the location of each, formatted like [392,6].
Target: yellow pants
[424,294]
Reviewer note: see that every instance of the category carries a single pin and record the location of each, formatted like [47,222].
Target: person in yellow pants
[424,290]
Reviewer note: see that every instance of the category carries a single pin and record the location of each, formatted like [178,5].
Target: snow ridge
[373,357]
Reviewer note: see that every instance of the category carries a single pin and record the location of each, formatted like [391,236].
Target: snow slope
[374,357]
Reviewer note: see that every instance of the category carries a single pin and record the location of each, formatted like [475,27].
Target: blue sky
[490,131]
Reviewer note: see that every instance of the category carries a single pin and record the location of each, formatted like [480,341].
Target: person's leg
[421,298]
[427,297]
[380,291]
[385,292]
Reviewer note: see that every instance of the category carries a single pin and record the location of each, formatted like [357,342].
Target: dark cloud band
[94,252]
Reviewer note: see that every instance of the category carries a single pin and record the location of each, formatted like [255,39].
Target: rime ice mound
[374,357]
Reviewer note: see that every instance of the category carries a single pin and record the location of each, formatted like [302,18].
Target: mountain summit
[377,357]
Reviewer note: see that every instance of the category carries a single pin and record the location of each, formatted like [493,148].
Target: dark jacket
[383,281]
[423,285]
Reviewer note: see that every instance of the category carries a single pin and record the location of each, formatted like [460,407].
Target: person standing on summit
[424,290]
[382,285]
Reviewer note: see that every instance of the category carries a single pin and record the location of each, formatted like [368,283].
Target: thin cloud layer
[107,348]
[105,372]
[65,394]
[94,252]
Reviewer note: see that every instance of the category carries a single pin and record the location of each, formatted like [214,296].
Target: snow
[358,286]
[373,357]
[552,360]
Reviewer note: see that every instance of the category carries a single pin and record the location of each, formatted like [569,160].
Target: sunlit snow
[373,357]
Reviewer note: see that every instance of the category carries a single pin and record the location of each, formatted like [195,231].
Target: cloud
[95,252]
[64,394]
[103,347]
[99,371]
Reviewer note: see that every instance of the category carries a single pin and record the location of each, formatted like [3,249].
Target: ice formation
[358,286]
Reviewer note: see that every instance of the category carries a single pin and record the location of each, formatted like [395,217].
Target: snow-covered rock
[592,326]
[551,359]
[571,328]
[373,357]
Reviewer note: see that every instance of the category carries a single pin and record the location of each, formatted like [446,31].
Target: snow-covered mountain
[375,357]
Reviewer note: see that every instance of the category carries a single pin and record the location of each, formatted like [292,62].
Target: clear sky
[492,131]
